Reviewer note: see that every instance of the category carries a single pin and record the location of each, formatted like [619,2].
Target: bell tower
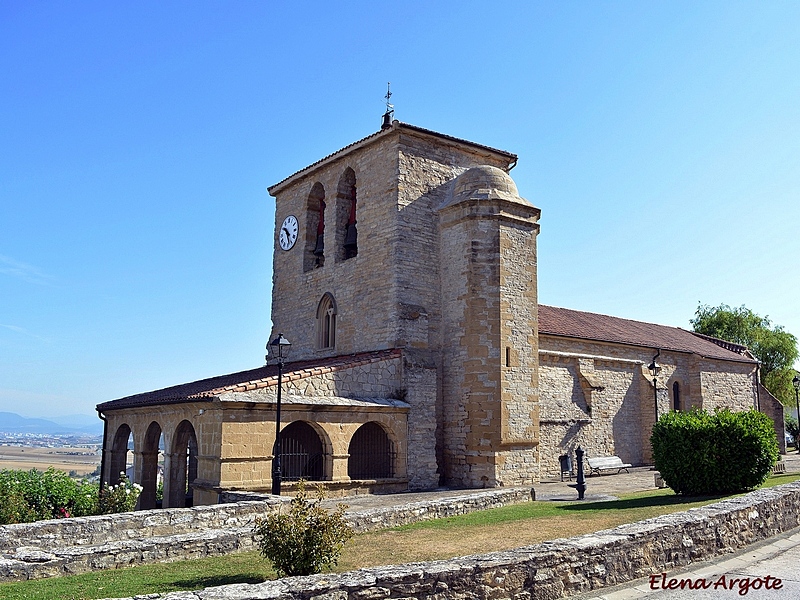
[418,241]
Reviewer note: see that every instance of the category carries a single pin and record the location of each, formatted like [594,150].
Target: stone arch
[182,466]
[314,248]
[149,476]
[346,232]
[119,453]
[326,322]
[372,454]
[304,452]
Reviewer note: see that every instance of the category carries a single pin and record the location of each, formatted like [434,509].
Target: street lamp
[655,369]
[796,384]
[279,348]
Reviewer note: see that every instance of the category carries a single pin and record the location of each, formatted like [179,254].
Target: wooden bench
[602,463]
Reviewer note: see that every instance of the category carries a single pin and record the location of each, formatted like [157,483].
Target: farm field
[81,460]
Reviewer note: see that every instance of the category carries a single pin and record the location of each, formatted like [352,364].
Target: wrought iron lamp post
[796,384]
[655,369]
[279,349]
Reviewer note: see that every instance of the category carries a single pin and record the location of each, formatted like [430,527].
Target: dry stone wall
[552,569]
[79,545]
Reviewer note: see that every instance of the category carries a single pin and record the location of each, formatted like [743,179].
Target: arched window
[302,454]
[346,233]
[676,396]
[314,250]
[326,322]
[371,453]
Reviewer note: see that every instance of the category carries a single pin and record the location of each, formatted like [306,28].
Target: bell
[351,237]
[387,121]
[320,249]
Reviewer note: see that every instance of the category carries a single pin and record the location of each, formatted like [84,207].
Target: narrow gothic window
[314,250]
[676,396]
[326,322]
[346,234]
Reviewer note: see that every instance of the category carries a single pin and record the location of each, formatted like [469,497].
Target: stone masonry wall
[730,386]
[600,396]
[78,545]
[363,292]
[553,569]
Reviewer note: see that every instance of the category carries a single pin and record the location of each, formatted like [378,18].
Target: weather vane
[387,116]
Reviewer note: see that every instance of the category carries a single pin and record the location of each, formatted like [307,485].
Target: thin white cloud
[24,271]
[23,331]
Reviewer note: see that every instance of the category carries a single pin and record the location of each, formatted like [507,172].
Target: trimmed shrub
[305,540]
[700,453]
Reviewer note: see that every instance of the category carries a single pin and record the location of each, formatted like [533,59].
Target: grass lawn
[478,532]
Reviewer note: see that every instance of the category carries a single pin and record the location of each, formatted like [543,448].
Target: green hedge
[701,453]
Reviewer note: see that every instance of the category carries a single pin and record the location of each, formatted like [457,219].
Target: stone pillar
[145,469]
[339,467]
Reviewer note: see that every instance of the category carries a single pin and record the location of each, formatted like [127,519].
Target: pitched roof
[591,326]
[396,125]
[205,390]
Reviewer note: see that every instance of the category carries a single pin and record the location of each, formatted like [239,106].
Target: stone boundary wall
[552,569]
[102,529]
[79,545]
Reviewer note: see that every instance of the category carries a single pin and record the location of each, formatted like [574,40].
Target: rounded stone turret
[485,182]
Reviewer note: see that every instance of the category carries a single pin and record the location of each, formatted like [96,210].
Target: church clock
[288,234]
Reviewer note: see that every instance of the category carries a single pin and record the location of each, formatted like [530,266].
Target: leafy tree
[774,347]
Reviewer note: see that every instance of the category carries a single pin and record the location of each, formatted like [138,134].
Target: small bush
[698,453]
[306,539]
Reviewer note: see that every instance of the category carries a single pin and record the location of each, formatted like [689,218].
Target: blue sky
[660,139]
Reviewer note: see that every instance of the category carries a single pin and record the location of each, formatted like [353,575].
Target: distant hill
[70,424]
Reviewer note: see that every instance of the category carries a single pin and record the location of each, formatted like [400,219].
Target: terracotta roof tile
[204,390]
[591,326]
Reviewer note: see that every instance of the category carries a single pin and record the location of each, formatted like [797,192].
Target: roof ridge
[732,346]
[396,125]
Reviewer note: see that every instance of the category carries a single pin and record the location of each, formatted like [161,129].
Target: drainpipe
[758,385]
[103,455]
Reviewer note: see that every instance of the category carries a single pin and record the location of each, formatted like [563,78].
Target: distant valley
[66,425]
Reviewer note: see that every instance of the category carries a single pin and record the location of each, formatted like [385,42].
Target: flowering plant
[121,497]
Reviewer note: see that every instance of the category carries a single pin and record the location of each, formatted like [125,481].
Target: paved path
[773,564]
[776,558]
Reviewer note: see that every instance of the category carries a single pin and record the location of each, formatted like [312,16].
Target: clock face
[288,233]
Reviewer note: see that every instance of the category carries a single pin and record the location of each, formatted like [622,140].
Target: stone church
[405,278]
